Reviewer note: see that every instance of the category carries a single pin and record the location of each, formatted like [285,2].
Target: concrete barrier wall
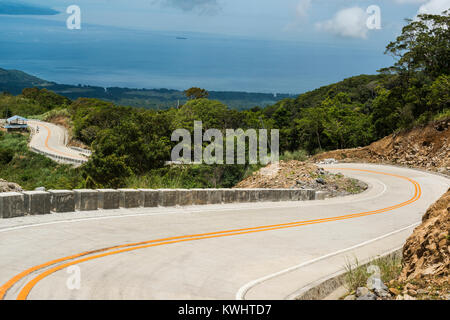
[58,158]
[17,204]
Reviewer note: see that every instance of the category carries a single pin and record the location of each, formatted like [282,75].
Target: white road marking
[240,295]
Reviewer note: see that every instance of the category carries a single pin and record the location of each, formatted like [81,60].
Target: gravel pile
[302,175]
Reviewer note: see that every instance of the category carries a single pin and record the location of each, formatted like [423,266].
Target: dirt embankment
[423,271]
[426,256]
[302,175]
[425,147]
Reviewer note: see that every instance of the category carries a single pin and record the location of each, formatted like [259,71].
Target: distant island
[14,81]
[181,38]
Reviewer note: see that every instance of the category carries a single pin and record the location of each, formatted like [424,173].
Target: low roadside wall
[17,204]
[58,158]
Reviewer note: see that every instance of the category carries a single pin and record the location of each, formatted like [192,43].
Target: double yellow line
[96,254]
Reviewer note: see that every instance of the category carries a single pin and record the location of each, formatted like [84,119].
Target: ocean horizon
[110,57]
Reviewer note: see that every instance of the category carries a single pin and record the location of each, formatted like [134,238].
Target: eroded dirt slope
[422,147]
[426,252]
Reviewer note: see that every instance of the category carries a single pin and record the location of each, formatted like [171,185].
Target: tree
[310,127]
[423,46]
[196,93]
[439,97]
[385,112]
[45,98]
[213,114]
[106,171]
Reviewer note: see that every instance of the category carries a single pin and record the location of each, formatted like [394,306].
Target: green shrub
[31,170]
[299,155]
[6,155]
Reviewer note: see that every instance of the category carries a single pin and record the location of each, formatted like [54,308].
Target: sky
[270,19]
[322,29]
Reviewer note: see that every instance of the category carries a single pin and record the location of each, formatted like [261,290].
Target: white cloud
[350,22]
[428,6]
[303,7]
[434,7]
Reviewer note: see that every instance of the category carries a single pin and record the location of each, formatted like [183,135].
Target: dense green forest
[132,144]
[14,81]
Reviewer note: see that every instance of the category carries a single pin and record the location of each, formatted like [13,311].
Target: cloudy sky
[272,19]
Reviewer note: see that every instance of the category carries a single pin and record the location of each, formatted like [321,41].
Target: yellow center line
[49,133]
[159,242]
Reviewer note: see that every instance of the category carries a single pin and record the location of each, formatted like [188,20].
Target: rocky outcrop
[6,186]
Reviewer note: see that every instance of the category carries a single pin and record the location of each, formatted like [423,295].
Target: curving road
[244,251]
[50,140]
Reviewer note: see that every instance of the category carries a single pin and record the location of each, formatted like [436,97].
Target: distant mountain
[14,81]
[20,8]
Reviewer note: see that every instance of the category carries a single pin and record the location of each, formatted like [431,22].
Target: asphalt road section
[243,251]
[50,139]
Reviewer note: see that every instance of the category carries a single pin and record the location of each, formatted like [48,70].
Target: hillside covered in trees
[14,81]
[132,144]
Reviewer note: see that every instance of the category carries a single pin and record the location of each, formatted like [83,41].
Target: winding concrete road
[50,140]
[244,251]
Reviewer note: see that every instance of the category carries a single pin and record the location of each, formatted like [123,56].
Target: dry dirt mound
[301,175]
[423,147]
[426,252]
[6,186]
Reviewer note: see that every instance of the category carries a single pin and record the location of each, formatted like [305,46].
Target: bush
[31,170]
[299,155]
[6,155]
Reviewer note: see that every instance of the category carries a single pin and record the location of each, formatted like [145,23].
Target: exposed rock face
[6,186]
[422,147]
[426,252]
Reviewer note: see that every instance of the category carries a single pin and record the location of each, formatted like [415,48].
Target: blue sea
[108,57]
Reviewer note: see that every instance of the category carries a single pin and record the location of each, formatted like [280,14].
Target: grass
[357,275]
[354,187]
[31,170]
[445,114]
[299,155]
[191,176]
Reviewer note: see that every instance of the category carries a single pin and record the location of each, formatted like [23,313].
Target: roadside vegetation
[31,170]
[131,145]
[357,275]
